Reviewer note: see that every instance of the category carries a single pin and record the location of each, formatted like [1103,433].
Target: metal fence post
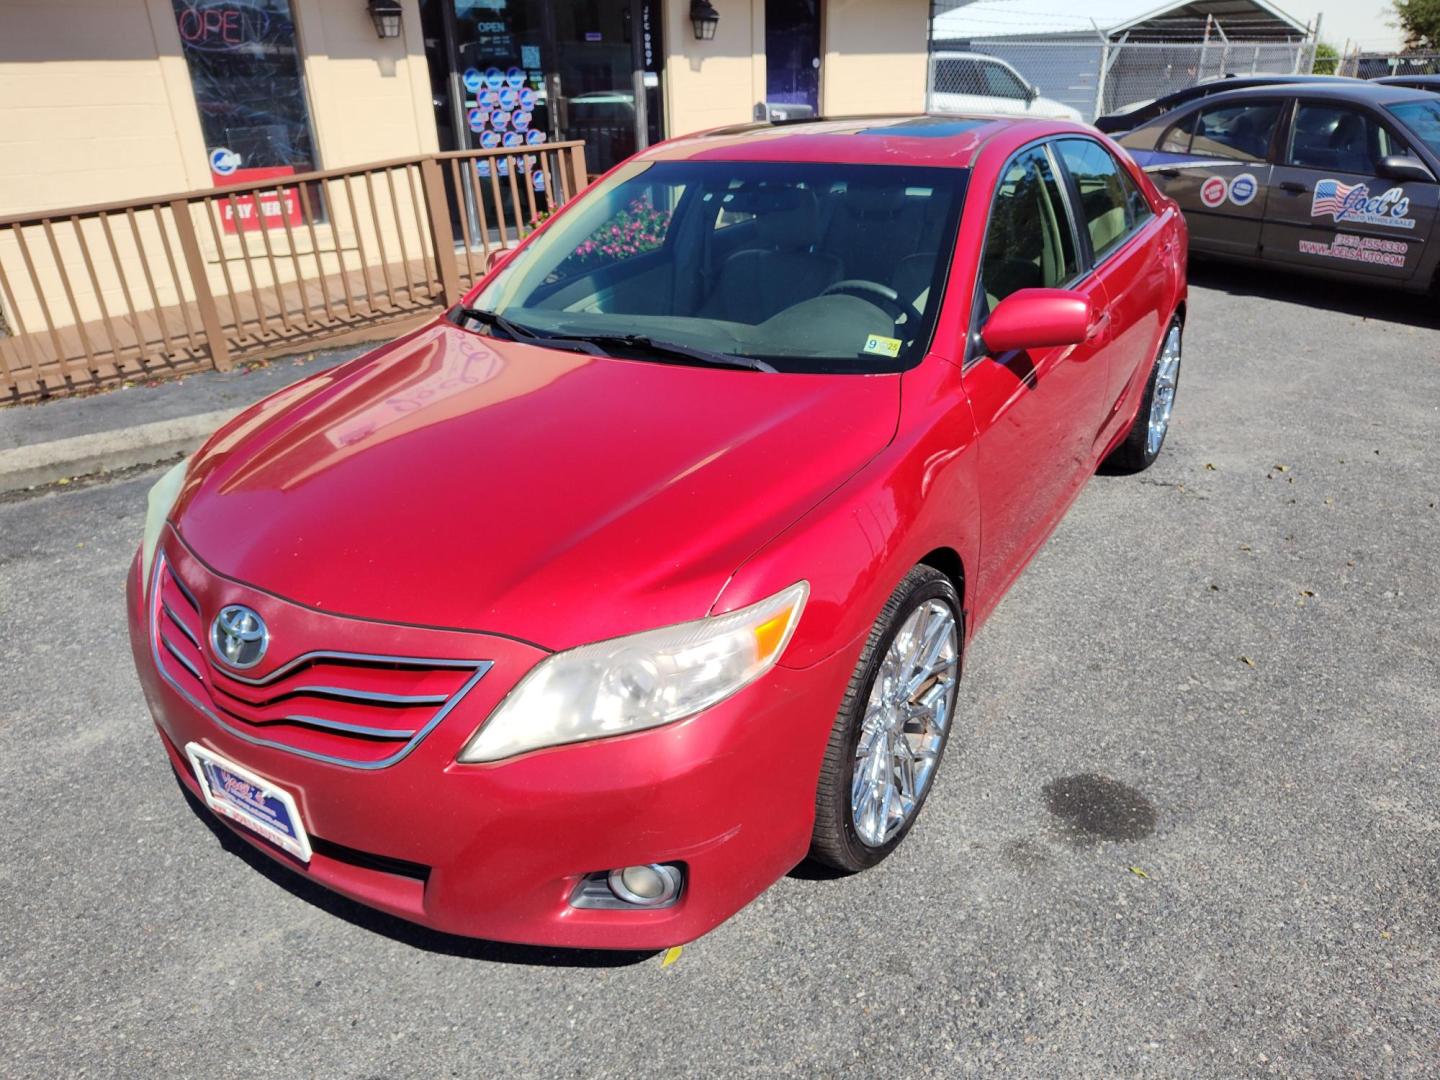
[441,234]
[1100,82]
[200,282]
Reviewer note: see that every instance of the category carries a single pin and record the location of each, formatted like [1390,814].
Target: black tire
[1135,455]
[834,841]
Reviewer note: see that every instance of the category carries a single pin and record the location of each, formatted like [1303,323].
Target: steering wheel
[880,295]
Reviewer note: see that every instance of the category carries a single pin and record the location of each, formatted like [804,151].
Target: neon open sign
[216,27]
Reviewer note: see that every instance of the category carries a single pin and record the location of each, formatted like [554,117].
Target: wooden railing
[95,295]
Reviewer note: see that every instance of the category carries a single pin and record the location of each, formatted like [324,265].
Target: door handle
[1169,174]
[1293,187]
[1097,326]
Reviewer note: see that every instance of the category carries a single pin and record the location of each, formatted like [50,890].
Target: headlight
[160,502]
[638,682]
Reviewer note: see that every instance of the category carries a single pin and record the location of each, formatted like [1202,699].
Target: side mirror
[1032,93]
[1405,167]
[1038,319]
[496,257]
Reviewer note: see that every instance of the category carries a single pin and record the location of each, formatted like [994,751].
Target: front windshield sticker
[1352,203]
[882,346]
[1366,249]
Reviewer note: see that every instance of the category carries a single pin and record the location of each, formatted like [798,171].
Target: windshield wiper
[516,332]
[657,347]
[595,344]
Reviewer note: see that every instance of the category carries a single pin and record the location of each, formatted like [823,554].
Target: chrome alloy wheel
[906,715]
[1162,402]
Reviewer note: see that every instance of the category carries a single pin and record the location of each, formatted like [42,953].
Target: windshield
[1422,117]
[807,267]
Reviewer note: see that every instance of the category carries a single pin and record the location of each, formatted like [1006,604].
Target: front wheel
[1147,434]
[892,726]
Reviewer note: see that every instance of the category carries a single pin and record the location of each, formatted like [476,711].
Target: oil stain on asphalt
[1090,808]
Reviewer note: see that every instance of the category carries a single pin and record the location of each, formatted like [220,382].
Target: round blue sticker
[537,180]
[521,121]
[223,161]
[490,98]
[471,79]
[527,98]
[513,138]
[1243,189]
[477,118]
[508,98]
[535,137]
[490,139]
[515,77]
[500,120]
[494,78]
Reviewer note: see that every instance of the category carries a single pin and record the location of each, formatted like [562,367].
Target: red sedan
[585,612]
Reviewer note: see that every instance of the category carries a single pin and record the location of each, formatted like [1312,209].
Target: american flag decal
[1330,197]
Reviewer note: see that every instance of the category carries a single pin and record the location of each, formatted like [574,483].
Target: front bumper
[496,851]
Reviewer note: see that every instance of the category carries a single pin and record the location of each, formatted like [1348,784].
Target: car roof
[926,139]
[1372,93]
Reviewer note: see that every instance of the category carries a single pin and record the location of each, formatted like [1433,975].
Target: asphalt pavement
[1188,824]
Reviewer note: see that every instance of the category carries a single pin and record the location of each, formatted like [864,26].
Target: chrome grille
[361,710]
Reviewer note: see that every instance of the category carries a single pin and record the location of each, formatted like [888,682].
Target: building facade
[103,100]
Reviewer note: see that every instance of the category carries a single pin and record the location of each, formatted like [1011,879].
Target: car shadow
[810,870]
[407,933]
[1367,301]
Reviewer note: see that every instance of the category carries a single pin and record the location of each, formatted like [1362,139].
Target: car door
[1036,411]
[1215,162]
[1126,246]
[1330,209]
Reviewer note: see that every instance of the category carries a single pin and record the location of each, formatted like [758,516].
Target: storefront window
[245,70]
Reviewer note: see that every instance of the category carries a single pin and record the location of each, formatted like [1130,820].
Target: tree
[1327,59]
[1420,22]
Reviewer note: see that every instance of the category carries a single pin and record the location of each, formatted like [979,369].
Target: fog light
[649,885]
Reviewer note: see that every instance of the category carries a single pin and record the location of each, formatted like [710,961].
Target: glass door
[792,57]
[516,72]
[606,81]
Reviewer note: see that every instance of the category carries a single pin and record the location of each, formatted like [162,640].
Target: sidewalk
[138,425]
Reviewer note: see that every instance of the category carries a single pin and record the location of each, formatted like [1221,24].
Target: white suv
[964,82]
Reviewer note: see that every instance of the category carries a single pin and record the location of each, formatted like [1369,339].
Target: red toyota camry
[585,612]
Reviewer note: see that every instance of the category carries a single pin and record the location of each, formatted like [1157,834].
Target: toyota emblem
[239,636]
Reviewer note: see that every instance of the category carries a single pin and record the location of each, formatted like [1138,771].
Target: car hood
[461,481]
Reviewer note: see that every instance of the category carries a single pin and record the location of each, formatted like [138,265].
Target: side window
[1029,243]
[1240,132]
[1336,138]
[1176,139]
[957,76]
[1000,81]
[1111,204]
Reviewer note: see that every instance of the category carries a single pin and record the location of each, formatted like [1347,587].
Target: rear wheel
[1147,434]
[892,726]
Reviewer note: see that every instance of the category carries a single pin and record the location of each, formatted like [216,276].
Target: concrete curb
[103,451]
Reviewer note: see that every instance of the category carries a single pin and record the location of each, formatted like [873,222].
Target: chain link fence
[1093,76]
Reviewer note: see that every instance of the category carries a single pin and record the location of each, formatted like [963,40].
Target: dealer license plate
[234,792]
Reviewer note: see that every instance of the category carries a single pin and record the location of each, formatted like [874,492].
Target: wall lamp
[385,14]
[704,18]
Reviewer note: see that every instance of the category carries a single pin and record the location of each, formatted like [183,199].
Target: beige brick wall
[875,56]
[369,99]
[710,83]
[85,109]
[96,105]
